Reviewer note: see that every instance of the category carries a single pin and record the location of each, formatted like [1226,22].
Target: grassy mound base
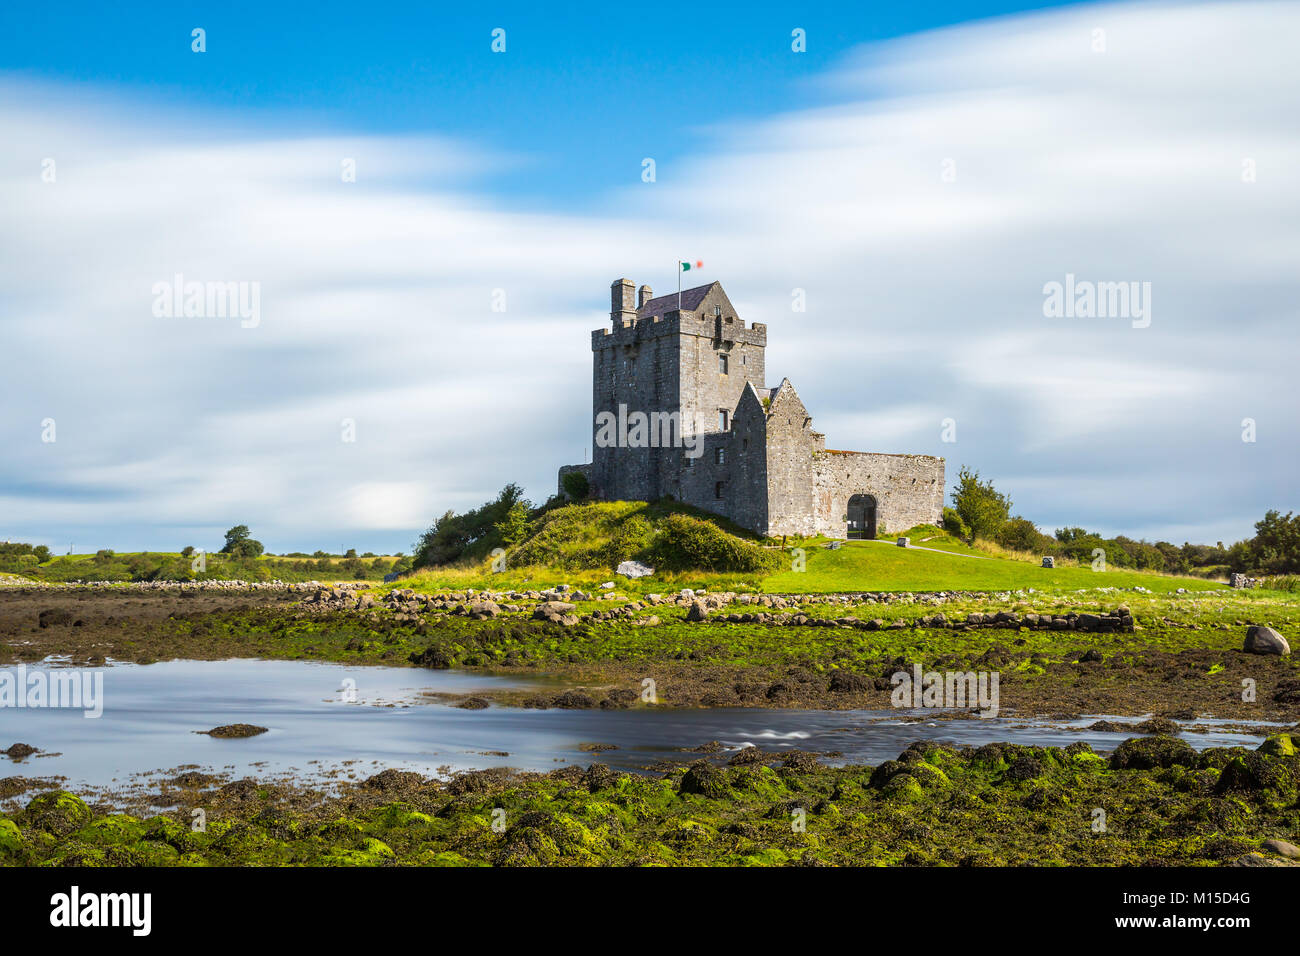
[599,535]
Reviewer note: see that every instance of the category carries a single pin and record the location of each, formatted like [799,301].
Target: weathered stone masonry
[756,457]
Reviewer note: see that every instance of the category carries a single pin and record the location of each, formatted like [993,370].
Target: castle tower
[682,370]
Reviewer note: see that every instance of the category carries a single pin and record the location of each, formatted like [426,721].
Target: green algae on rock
[998,804]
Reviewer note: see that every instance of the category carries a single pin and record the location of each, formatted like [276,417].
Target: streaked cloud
[924,295]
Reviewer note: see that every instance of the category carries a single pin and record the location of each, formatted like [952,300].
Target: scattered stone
[1265,640]
[19,751]
[473,703]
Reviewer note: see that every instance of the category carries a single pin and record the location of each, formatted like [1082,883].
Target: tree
[980,505]
[240,545]
[42,553]
[187,551]
[1276,545]
[474,533]
[513,528]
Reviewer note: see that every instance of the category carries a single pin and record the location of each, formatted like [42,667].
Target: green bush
[575,485]
[1019,534]
[954,525]
[630,540]
[690,544]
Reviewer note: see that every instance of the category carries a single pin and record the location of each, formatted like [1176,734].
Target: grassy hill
[582,544]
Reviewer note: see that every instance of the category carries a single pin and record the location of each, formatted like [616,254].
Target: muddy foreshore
[1142,663]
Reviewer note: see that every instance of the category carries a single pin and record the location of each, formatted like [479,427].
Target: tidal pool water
[323,718]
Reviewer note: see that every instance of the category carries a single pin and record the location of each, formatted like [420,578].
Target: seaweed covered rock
[11,839]
[599,777]
[846,682]
[705,779]
[1261,773]
[58,813]
[1147,753]
[1278,745]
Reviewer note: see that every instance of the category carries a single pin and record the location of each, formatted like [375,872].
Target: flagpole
[679,285]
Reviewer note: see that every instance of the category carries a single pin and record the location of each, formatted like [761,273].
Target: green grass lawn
[857,566]
[877,566]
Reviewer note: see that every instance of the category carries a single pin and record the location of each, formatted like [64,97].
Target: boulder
[634,569]
[552,611]
[1282,848]
[697,612]
[1265,640]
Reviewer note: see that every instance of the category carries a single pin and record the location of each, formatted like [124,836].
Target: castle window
[719,456]
[690,461]
[744,444]
[722,362]
[722,419]
[717,488]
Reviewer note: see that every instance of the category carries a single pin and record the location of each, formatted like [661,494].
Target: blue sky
[587,91]
[919,177]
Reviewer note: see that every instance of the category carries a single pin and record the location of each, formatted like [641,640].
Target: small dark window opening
[722,419]
[717,489]
[719,456]
[722,362]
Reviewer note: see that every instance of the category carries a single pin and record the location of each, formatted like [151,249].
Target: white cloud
[924,296]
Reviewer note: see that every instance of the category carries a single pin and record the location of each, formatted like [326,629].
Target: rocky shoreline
[1153,802]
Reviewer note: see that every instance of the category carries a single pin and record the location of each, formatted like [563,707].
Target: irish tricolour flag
[688,266]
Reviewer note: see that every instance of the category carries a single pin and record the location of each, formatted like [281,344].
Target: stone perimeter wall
[908,489]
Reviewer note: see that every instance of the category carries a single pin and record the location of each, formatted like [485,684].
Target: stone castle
[681,409]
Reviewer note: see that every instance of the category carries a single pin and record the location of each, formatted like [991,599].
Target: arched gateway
[862,516]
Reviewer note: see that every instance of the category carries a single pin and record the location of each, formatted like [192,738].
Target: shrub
[687,544]
[575,485]
[1020,534]
[470,535]
[630,540]
[954,525]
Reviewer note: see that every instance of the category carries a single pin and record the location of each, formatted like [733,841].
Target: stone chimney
[622,295]
[644,295]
